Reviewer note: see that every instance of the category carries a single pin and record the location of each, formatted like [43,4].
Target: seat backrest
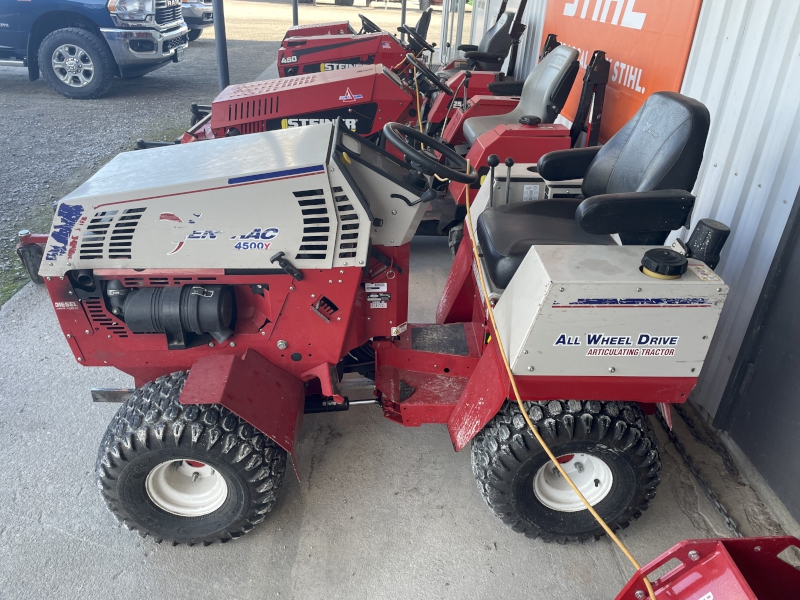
[660,148]
[546,88]
[424,21]
[497,40]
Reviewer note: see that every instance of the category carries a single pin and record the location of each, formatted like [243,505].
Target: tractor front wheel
[188,474]
[608,449]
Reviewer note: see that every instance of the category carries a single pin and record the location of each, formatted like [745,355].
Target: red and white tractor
[239,292]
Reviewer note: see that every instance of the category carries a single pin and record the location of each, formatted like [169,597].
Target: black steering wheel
[368,26]
[412,33]
[429,75]
[397,134]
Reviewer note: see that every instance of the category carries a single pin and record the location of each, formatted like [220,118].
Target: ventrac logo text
[286,123]
[338,66]
[624,13]
[184,230]
[288,60]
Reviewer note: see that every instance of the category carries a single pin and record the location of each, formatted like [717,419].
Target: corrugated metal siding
[485,15]
[745,66]
[531,40]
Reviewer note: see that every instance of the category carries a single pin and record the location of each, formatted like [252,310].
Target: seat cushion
[475,127]
[507,232]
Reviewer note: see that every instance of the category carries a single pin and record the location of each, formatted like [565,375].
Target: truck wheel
[194,34]
[608,449]
[189,474]
[76,63]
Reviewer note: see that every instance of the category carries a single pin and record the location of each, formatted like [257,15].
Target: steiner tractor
[368,97]
[238,292]
[312,52]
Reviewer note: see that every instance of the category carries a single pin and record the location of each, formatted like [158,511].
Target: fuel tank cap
[664,263]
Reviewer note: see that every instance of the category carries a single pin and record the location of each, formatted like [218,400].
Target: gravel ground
[52,144]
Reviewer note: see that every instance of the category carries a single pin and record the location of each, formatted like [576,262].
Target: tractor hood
[233,203]
[228,203]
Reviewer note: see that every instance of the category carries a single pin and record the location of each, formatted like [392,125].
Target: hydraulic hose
[531,426]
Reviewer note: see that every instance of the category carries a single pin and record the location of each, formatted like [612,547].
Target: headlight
[131,10]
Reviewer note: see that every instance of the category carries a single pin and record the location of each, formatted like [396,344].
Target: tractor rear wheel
[608,449]
[188,474]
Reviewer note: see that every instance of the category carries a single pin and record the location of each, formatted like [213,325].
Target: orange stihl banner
[646,41]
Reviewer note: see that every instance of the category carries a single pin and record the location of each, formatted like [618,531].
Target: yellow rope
[532,427]
[419,114]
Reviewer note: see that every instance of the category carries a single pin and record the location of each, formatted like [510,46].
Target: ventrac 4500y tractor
[237,293]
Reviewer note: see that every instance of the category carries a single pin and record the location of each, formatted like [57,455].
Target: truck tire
[188,474]
[76,63]
[344,2]
[609,450]
[194,34]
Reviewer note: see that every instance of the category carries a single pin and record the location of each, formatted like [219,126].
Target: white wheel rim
[186,488]
[73,65]
[590,474]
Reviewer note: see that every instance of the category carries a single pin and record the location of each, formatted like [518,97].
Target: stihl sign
[629,18]
[647,43]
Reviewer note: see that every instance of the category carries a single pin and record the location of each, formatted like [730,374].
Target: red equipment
[722,569]
[315,52]
[300,55]
[332,28]
[365,98]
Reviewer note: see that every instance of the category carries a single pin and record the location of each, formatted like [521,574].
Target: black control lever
[493,161]
[286,266]
[509,164]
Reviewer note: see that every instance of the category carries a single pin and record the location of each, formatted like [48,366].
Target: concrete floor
[383,512]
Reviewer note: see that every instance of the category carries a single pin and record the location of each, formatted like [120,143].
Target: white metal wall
[532,38]
[745,67]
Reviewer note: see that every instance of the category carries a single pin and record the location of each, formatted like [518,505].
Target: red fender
[481,400]
[266,396]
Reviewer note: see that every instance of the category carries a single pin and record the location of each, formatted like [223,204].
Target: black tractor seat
[634,186]
[490,53]
[543,95]
[421,28]
[507,232]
